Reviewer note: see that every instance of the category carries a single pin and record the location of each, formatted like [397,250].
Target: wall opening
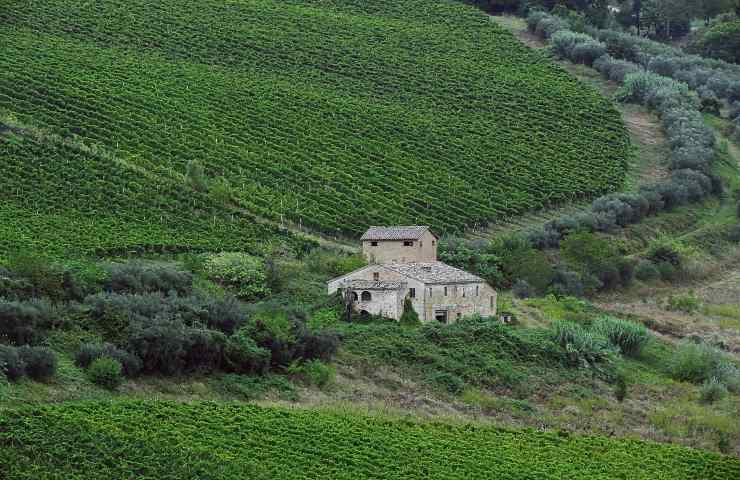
[440,316]
[366,297]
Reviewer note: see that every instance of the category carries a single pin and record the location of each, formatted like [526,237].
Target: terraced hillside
[130,439]
[334,114]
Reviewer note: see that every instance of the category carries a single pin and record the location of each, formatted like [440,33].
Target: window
[463,290]
[354,296]
[408,243]
[430,291]
[433,243]
[477,290]
[366,297]
[421,244]
[412,292]
[445,291]
[491,302]
[440,316]
[376,276]
[374,244]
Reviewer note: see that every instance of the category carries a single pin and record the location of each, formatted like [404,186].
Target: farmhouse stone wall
[394,251]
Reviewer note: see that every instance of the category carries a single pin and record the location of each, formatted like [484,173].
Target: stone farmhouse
[403,263]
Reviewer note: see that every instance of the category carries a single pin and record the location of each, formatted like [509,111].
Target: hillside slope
[332,114]
[88,440]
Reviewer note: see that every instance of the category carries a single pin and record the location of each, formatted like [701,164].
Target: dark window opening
[364,313]
[354,296]
[376,276]
[412,292]
[374,244]
[433,243]
[408,244]
[366,297]
[445,291]
[463,290]
[477,292]
[440,316]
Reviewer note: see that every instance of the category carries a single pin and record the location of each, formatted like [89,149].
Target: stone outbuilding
[403,263]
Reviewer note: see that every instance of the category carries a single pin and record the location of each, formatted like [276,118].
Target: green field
[333,114]
[165,440]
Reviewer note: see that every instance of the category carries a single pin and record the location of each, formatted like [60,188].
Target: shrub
[244,273]
[567,283]
[712,390]
[106,372]
[696,362]
[40,362]
[89,352]
[687,303]
[450,382]
[629,337]
[204,349]
[25,322]
[521,289]
[318,373]
[582,347]
[409,317]
[11,363]
[160,343]
[137,277]
[646,271]
[243,355]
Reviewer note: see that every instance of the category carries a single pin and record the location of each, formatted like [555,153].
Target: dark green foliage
[480,352]
[448,381]
[699,363]
[25,322]
[721,41]
[204,350]
[243,355]
[106,372]
[11,363]
[409,317]
[40,362]
[521,289]
[597,257]
[161,343]
[520,261]
[139,278]
[89,352]
[646,271]
[620,387]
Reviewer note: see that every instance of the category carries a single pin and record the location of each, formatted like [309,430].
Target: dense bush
[11,363]
[138,277]
[629,337]
[698,362]
[89,352]
[40,362]
[721,41]
[646,271]
[25,322]
[106,372]
[313,372]
[409,317]
[244,273]
[712,390]
[243,355]
[577,47]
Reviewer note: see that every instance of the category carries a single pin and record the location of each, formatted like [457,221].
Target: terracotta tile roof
[411,232]
[433,272]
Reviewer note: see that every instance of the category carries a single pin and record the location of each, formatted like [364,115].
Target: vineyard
[60,197]
[333,114]
[134,439]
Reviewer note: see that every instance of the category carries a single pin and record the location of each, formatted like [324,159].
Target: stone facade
[418,246]
[438,292]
